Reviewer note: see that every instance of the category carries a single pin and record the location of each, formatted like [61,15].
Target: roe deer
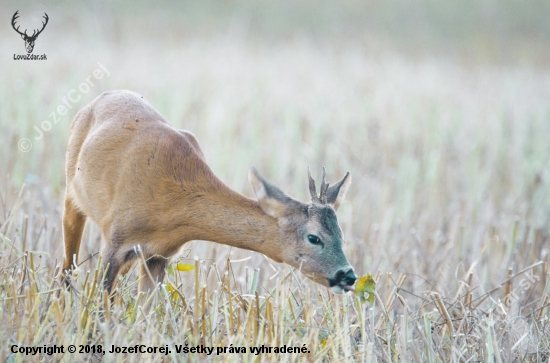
[145,183]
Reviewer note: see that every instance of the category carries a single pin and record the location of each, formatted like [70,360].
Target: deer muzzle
[343,281]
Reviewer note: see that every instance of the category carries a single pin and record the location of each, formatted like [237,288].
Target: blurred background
[440,111]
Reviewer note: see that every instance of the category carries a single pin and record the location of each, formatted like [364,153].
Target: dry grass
[447,143]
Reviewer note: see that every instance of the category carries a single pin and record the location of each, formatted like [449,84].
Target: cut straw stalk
[106,306]
[203,315]
[541,308]
[196,311]
[269,320]
[508,286]
[445,313]
[229,302]
[390,301]
[487,294]
[257,313]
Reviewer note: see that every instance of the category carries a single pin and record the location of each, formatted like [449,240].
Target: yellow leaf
[184,267]
[171,291]
[323,338]
[364,288]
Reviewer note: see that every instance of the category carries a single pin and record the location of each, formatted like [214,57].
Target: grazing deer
[145,183]
[29,40]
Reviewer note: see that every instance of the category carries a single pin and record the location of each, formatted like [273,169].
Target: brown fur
[145,183]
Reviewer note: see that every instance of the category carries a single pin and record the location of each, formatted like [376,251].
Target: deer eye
[314,240]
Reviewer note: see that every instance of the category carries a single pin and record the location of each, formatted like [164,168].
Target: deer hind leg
[111,266]
[151,273]
[73,226]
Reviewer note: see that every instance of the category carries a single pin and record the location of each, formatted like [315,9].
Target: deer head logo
[29,40]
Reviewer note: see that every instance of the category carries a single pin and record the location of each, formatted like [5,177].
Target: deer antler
[322,198]
[312,191]
[323,188]
[43,26]
[15,16]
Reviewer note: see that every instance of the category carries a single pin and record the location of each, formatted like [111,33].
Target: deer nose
[349,278]
[346,277]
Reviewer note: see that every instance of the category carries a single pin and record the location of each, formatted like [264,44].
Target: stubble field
[440,113]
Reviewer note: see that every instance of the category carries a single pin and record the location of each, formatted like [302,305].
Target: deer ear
[23,36]
[272,199]
[337,192]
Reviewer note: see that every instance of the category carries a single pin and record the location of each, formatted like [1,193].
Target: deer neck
[232,219]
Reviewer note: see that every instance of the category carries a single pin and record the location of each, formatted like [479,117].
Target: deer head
[312,233]
[29,40]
